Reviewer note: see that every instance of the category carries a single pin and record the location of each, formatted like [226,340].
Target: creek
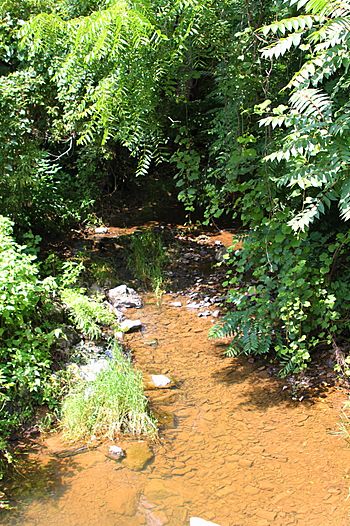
[233,448]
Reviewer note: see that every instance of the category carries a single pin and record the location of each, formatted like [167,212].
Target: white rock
[116,451]
[130,325]
[193,306]
[90,371]
[117,312]
[196,521]
[175,303]
[160,380]
[216,314]
[101,230]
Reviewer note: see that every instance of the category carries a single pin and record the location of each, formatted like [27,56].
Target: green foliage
[25,335]
[111,404]
[316,148]
[184,82]
[286,296]
[88,315]
[24,344]
[147,259]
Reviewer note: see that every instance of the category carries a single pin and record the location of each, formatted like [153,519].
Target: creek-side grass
[147,259]
[111,404]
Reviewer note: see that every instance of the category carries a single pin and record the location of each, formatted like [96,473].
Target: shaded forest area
[240,107]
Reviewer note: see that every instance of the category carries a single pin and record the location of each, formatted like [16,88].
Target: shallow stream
[233,447]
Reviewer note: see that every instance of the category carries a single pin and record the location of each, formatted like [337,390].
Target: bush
[286,295]
[112,403]
[25,335]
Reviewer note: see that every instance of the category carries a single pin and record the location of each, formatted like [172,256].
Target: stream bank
[234,448]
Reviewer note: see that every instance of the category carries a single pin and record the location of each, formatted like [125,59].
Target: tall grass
[111,404]
[147,259]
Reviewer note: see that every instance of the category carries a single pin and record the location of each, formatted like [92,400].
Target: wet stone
[158,381]
[175,303]
[124,296]
[115,453]
[131,325]
[156,490]
[138,456]
[123,501]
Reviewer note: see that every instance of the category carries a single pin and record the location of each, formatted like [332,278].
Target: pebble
[193,305]
[245,463]
[267,515]
[160,380]
[116,452]
[101,230]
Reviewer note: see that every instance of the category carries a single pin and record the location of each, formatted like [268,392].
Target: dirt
[233,446]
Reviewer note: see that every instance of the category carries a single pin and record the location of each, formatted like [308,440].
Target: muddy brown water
[233,448]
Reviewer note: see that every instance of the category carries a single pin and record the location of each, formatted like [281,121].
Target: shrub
[286,295]
[25,335]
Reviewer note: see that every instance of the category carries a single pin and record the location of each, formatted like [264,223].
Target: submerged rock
[196,521]
[130,325]
[124,296]
[138,455]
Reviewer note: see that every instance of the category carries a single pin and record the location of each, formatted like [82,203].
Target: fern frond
[329,8]
[344,201]
[296,23]
[87,315]
[282,46]
[311,101]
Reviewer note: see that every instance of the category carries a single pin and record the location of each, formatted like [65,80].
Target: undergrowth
[288,306]
[112,403]
[88,315]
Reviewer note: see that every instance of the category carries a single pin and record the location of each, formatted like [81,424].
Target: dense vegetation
[244,103]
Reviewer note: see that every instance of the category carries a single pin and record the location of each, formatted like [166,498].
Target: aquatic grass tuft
[147,259]
[111,404]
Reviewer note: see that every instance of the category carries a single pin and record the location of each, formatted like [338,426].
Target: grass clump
[147,259]
[113,403]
